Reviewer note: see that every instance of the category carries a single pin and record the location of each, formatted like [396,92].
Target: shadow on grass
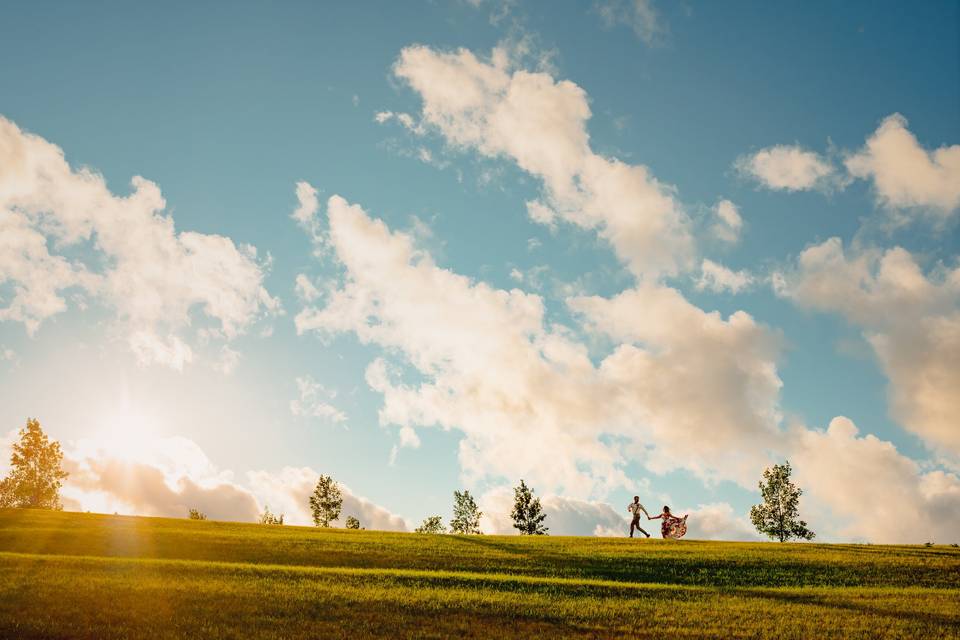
[492,544]
[819,600]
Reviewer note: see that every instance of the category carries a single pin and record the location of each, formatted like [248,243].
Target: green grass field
[71,575]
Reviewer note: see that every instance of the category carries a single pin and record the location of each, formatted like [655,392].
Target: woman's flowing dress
[673,527]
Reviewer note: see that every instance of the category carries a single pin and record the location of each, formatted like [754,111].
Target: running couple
[670,527]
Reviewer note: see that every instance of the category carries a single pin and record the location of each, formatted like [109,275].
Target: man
[636,508]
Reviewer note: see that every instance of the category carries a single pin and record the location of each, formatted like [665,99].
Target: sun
[127,434]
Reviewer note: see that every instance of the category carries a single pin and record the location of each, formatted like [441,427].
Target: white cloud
[911,320]
[313,402]
[718,278]
[38,277]
[786,167]
[305,290]
[540,124]
[684,389]
[728,224]
[541,214]
[155,477]
[705,389]
[155,278]
[872,491]
[307,206]
[140,475]
[405,119]
[639,15]
[904,174]
[565,516]
[532,277]
[229,359]
[569,517]
[288,492]
[716,521]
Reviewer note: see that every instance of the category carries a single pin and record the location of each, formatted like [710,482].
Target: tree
[466,516]
[196,514]
[326,501]
[778,516]
[268,518]
[352,523]
[6,493]
[433,524]
[527,514]
[35,474]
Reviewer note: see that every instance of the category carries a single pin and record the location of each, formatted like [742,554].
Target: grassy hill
[72,575]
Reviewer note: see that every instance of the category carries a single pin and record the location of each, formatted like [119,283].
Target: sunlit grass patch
[79,575]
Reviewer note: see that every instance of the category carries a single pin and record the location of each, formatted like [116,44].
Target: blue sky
[227,108]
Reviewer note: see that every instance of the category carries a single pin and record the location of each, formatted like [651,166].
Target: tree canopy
[466,515]
[778,516]
[270,518]
[36,474]
[325,501]
[433,524]
[527,514]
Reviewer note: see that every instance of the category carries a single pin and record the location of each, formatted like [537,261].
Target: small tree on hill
[196,514]
[268,518]
[527,514]
[36,474]
[352,523]
[466,515]
[778,516]
[325,502]
[433,524]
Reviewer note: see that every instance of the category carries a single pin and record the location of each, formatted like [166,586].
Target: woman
[672,526]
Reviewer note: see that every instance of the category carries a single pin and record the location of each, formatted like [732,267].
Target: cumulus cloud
[717,521]
[168,476]
[305,290]
[639,15]
[787,168]
[288,492]
[540,123]
[904,174]
[681,388]
[718,278]
[705,388]
[565,516]
[155,477]
[405,119]
[911,319]
[156,279]
[38,277]
[307,204]
[313,402]
[728,223]
[898,503]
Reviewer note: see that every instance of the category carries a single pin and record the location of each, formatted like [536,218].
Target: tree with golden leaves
[36,474]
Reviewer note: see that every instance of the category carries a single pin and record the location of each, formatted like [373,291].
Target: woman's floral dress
[672,526]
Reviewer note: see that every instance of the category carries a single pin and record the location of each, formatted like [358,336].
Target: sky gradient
[616,248]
